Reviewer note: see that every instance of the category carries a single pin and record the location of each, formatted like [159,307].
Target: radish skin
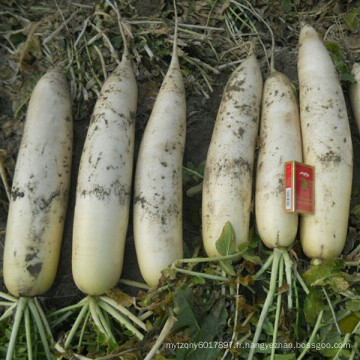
[280,141]
[229,163]
[326,146]
[40,190]
[104,184]
[355,94]
[158,179]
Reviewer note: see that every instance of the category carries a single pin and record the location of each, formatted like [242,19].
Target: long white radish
[355,94]
[280,141]
[326,146]
[227,186]
[40,190]
[158,178]
[104,184]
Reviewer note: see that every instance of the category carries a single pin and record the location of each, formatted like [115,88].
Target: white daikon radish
[158,178]
[40,190]
[227,186]
[355,94]
[326,146]
[104,184]
[280,141]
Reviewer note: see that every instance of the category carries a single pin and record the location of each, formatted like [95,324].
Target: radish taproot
[280,141]
[39,196]
[227,185]
[104,184]
[158,178]
[102,202]
[326,145]
[355,94]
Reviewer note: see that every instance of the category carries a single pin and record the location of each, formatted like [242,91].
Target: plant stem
[21,304]
[69,308]
[105,323]
[28,333]
[164,332]
[332,310]
[288,272]
[8,312]
[124,311]
[267,264]
[194,273]
[76,325]
[313,334]
[301,281]
[345,341]
[94,314]
[297,316]
[115,314]
[268,300]
[44,320]
[278,309]
[83,328]
[135,284]
[8,297]
[40,327]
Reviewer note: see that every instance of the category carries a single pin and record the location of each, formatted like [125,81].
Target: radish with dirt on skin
[227,185]
[38,203]
[158,178]
[355,94]
[280,141]
[326,145]
[102,203]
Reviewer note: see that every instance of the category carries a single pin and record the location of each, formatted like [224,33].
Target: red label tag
[299,188]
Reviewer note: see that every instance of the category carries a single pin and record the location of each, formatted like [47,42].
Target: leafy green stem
[268,301]
[312,337]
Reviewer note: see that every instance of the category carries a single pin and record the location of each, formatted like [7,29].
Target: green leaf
[185,315]
[347,77]
[347,324]
[286,5]
[252,257]
[351,19]
[225,245]
[333,48]
[317,274]
[254,239]
[313,305]
[338,283]
[353,305]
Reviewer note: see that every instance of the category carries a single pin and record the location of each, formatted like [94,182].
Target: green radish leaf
[185,315]
[353,305]
[317,274]
[351,19]
[198,280]
[347,77]
[286,5]
[348,324]
[252,257]
[225,245]
[333,48]
[338,283]
[254,240]
[313,305]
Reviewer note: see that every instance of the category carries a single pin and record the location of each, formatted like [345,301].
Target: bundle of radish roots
[41,182]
